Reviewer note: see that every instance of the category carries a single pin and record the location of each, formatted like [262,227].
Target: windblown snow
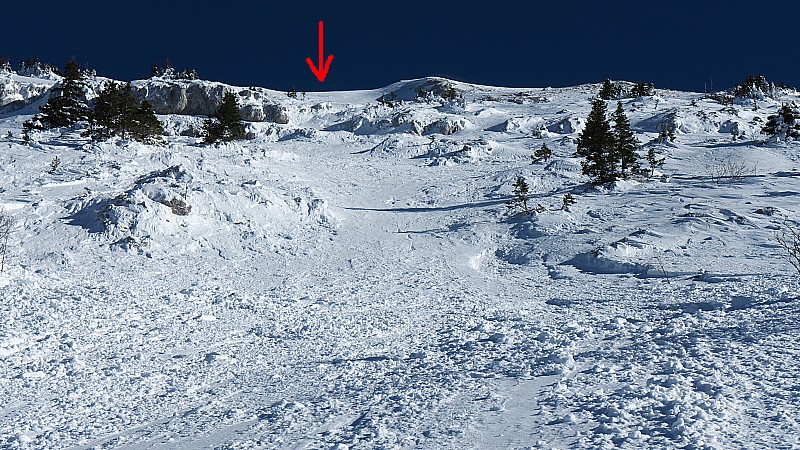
[351,278]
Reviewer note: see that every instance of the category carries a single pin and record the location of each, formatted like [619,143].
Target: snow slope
[353,279]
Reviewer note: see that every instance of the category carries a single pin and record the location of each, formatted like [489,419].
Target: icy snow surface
[353,279]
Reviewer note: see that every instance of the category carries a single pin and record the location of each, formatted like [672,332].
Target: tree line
[116,112]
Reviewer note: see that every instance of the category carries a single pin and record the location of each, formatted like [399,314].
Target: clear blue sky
[676,44]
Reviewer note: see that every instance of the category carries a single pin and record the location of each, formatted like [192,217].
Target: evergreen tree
[653,160]
[104,118]
[596,144]
[541,155]
[520,199]
[117,112]
[785,124]
[226,124]
[642,89]
[145,126]
[626,143]
[66,105]
[567,201]
[609,90]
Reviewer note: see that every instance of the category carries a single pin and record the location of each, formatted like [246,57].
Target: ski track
[409,310]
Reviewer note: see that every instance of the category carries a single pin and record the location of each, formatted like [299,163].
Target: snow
[353,279]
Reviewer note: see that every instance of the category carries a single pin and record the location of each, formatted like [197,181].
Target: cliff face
[16,92]
[182,97]
[203,98]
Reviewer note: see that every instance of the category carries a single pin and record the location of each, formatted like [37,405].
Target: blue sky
[678,44]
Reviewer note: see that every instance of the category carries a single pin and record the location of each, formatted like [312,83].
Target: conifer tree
[226,124]
[66,105]
[541,155]
[520,199]
[609,90]
[653,160]
[785,124]
[596,144]
[116,111]
[567,201]
[145,126]
[626,143]
[642,89]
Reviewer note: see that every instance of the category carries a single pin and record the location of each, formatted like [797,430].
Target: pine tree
[103,121]
[145,126]
[609,90]
[226,125]
[596,144]
[116,111]
[66,105]
[642,89]
[626,143]
[785,124]
[653,160]
[541,155]
[520,199]
[567,201]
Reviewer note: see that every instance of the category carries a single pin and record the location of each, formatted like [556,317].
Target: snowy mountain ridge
[350,276]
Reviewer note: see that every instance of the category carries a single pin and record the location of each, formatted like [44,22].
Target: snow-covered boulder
[567,125]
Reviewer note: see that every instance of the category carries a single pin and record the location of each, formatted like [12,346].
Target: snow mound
[396,146]
[521,124]
[567,125]
[448,152]
[172,210]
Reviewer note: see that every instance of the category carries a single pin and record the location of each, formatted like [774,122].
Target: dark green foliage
[653,160]
[785,124]
[643,89]
[610,90]
[34,67]
[753,86]
[145,126]
[667,132]
[723,98]
[66,105]
[626,143]
[226,125]
[389,100]
[5,64]
[596,144]
[520,199]
[541,155]
[168,73]
[449,93]
[116,112]
[187,74]
[567,201]
[30,125]
[54,164]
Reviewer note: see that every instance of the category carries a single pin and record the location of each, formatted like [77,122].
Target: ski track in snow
[341,289]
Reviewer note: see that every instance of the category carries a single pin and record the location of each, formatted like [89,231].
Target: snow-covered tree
[784,125]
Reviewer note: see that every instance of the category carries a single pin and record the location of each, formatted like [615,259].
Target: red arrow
[322,72]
